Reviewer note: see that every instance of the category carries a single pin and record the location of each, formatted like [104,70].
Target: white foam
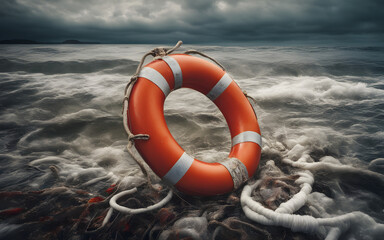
[358,224]
[82,115]
[69,125]
[49,160]
[316,90]
[377,165]
[188,227]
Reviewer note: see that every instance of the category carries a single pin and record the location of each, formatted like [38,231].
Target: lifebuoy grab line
[236,168]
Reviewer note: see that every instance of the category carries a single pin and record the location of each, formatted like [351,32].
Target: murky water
[63,143]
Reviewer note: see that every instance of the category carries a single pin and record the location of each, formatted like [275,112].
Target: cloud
[151,21]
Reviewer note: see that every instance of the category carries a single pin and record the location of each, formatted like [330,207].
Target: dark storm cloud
[193,21]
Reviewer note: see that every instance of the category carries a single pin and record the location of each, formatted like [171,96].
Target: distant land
[78,42]
[27,41]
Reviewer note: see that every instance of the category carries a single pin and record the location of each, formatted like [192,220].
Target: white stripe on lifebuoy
[220,87]
[247,136]
[176,70]
[155,77]
[179,169]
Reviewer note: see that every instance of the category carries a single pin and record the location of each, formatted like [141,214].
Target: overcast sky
[193,21]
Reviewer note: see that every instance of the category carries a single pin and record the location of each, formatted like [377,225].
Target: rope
[283,215]
[249,97]
[204,55]
[156,53]
[251,101]
[178,44]
[122,209]
[222,67]
[115,206]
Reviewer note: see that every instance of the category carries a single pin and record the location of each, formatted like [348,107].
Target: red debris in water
[165,215]
[11,211]
[96,199]
[111,189]
[127,227]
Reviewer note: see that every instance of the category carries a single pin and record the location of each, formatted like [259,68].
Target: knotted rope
[284,215]
[156,53]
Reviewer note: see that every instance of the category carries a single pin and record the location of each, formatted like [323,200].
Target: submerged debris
[70,213]
[275,186]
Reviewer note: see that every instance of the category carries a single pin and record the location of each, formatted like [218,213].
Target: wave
[62,67]
[61,126]
[237,67]
[240,68]
[318,90]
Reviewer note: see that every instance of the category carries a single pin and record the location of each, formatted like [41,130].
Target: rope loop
[130,211]
[157,53]
[133,137]
[131,141]
[114,205]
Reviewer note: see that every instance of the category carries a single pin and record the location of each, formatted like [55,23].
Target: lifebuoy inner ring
[163,154]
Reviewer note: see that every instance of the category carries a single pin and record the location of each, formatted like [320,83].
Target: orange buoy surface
[161,151]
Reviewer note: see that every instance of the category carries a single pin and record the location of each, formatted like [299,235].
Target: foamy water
[61,126]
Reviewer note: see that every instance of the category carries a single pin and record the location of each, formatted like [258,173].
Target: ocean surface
[63,145]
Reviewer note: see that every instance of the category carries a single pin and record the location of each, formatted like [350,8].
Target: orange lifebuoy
[161,151]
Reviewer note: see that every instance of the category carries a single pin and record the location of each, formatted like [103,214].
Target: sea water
[62,140]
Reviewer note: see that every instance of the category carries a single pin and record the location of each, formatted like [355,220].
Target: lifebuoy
[163,154]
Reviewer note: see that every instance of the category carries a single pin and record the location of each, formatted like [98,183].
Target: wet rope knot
[159,53]
[134,78]
[138,136]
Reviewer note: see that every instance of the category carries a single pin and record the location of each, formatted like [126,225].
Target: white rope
[299,199]
[156,53]
[107,217]
[115,206]
[122,209]
[324,166]
[283,215]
